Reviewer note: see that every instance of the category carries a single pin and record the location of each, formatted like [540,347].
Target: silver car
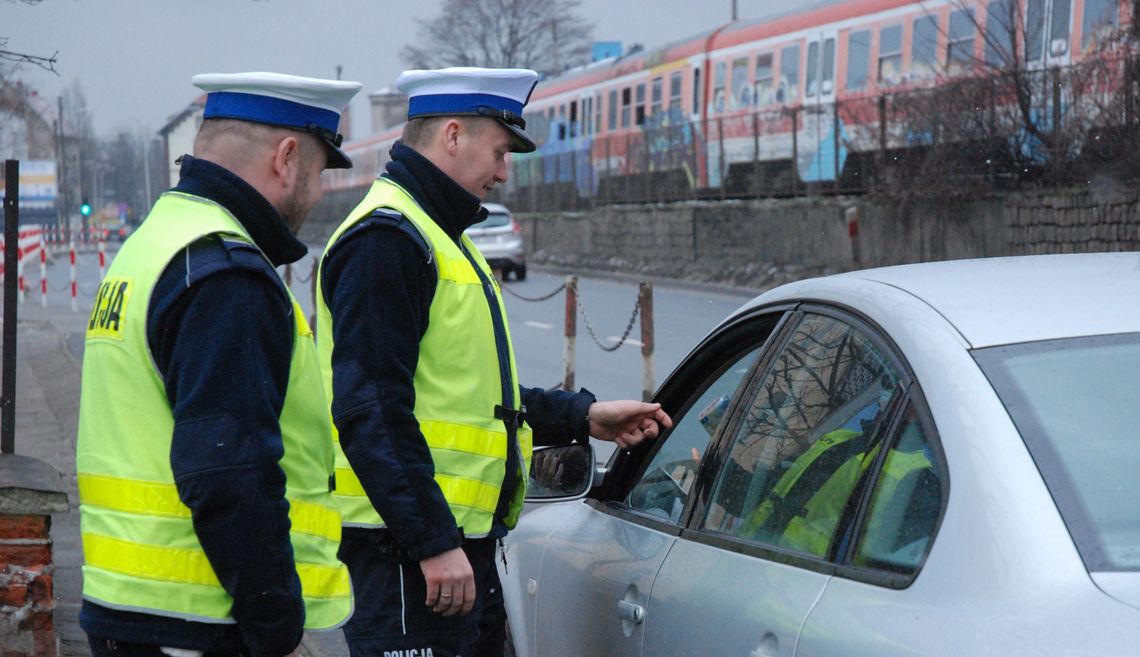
[499,238]
[937,459]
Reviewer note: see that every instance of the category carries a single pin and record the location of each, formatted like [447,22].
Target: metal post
[795,149]
[882,137]
[313,294]
[756,152]
[835,141]
[720,162]
[11,244]
[645,300]
[571,331]
[289,275]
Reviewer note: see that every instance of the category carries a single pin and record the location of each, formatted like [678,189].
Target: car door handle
[631,611]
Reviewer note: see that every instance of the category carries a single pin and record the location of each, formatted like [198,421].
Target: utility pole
[733,11]
[62,184]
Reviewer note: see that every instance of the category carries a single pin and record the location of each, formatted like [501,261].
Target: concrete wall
[703,238]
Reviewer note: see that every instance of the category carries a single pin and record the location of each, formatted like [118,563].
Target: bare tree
[46,63]
[544,35]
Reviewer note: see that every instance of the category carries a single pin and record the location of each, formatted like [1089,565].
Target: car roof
[995,301]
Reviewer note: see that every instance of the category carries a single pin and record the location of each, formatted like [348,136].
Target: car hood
[1124,586]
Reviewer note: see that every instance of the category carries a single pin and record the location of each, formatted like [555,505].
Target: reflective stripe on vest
[457,379]
[140,549]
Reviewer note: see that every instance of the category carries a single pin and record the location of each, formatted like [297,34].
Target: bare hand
[450,582]
[627,422]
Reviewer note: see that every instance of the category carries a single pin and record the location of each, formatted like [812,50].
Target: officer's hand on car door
[627,422]
[450,582]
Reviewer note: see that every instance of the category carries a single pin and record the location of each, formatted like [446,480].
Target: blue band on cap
[266,109]
[459,104]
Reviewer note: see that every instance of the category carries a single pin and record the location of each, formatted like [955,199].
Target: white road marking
[630,341]
[540,325]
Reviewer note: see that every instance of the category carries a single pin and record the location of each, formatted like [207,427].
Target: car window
[808,434]
[663,489]
[906,502]
[494,220]
[1074,403]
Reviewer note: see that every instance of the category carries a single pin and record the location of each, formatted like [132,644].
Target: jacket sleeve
[557,417]
[220,330]
[379,286]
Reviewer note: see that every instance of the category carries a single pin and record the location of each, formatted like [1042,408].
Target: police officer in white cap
[204,454]
[413,336]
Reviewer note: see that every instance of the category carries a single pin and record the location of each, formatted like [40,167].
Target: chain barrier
[624,336]
[540,298]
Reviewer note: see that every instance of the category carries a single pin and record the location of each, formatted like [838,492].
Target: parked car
[935,459]
[499,238]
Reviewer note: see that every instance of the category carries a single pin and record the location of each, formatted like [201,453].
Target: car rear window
[494,220]
[1075,403]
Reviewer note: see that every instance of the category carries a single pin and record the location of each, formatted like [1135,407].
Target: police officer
[435,430]
[204,452]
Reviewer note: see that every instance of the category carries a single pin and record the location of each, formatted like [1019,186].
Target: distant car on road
[500,240]
[935,459]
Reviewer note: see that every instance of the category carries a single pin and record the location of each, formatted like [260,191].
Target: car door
[775,510]
[600,562]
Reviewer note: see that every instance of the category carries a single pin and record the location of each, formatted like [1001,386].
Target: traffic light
[85,208]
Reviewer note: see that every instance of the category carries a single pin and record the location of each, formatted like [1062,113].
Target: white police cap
[497,93]
[307,104]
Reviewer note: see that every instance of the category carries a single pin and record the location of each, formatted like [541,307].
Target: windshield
[494,220]
[1075,403]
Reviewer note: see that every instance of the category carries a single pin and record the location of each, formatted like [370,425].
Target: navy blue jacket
[219,326]
[379,284]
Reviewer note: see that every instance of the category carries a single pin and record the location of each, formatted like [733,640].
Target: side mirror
[562,473]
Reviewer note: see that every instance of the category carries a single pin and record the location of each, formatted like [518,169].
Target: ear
[286,161]
[452,131]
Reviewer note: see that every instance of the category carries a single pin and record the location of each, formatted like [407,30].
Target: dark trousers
[390,614]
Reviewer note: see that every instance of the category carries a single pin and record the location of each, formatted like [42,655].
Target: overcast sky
[135,58]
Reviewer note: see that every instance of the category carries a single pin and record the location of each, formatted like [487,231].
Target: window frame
[838,561]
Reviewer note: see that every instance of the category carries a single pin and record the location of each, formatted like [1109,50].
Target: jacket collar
[448,204]
[259,218]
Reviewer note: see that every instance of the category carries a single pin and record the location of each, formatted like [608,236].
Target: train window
[789,86]
[741,88]
[598,113]
[1001,19]
[696,91]
[858,59]
[924,46]
[1034,29]
[718,87]
[890,55]
[827,77]
[675,90]
[625,97]
[1099,20]
[658,91]
[639,105]
[762,94]
[613,110]
[573,118]
[1059,28]
[812,68]
[960,40]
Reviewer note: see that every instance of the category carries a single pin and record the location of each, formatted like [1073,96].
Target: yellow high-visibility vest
[139,546]
[457,381]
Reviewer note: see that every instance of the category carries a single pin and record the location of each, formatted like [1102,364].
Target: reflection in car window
[664,488]
[807,438]
[906,502]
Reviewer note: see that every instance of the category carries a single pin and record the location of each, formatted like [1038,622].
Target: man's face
[481,162]
[306,192]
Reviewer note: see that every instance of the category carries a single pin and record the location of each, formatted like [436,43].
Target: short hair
[418,131]
[234,137]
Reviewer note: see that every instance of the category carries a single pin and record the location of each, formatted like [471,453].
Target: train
[786,102]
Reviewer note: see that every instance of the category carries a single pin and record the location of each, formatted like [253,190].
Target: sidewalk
[49,344]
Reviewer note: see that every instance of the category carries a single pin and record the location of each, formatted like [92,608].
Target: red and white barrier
[43,273]
[74,280]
